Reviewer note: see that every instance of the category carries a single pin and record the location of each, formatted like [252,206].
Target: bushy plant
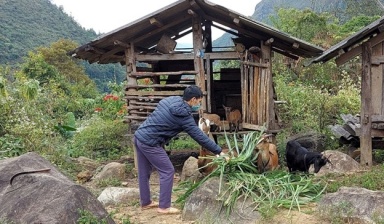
[309,108]
[11,146]
[100,139]
[86,217]
[112,105]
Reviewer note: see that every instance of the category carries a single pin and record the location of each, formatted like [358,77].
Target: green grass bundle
[267,191]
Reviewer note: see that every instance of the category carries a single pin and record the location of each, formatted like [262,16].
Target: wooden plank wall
[377,81]
[257,91]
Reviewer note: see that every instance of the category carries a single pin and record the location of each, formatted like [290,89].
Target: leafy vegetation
[86,217]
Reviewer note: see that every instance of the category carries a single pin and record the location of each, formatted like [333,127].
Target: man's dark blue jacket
[172,116]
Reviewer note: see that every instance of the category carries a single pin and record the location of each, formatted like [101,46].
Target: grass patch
[114,182]
[371,180]
[86,217]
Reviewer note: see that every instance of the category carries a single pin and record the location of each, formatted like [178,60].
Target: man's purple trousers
[149,157]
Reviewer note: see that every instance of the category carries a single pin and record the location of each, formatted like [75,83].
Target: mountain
[28,24]
[341,9]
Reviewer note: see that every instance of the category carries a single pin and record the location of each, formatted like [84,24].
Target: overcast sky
[104,16]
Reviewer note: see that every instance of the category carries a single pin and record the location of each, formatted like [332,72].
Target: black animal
[300,159]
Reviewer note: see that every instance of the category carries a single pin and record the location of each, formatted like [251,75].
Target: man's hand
[222,154]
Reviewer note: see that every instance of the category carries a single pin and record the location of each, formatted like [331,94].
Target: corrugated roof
[348,43]
[174,21]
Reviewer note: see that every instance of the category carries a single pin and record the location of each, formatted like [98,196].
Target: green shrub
[311,109]
[100,139]
[86,217]
[11,146]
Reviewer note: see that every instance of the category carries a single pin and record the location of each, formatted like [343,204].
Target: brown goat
[267,158]
[204,125]
[233,117]
[214,120]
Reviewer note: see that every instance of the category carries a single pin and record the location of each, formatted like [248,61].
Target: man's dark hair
[192,91]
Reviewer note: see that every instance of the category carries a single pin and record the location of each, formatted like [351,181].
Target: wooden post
[132,81]
[198,58]
[366,106]
[209,85]
[268,100]
[207,44]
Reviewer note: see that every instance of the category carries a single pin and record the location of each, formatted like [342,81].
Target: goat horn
[329,161]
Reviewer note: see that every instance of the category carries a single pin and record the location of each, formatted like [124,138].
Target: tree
[307,25]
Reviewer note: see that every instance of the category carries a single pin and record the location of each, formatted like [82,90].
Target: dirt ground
[132,211]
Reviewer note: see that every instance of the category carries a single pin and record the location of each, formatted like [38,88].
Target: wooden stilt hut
[157,69]
[369,44]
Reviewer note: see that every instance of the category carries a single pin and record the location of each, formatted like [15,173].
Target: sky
[104,16]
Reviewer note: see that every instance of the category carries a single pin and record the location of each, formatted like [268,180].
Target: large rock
[203,206]
[357,205]
[119,195]
[111,170]
[27,196]
[190,170]
[341,163]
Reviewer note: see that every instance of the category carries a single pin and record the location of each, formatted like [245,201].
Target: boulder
[341,163]
[33,191]
[86,163]
[355,205]
[119,195]
[112,170]
[190,171]
[203,206]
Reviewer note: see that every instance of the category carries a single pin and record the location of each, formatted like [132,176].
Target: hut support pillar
[132,81]
[199,56]
[366,106]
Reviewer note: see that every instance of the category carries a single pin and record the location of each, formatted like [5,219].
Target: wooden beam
[130,68]
[198,59]
[94,49]
[285,53]
[158,86]
[192,13]
[156,31]
[377,60]
[348,55]
[269,41]
[110,53]
[237,22]
[366,107]
[209,85]
[145,74]
[149,98]
[227,55]
[154,21]
[262,65]
[155,93]
[240,29]
[135,118]
[374,133]
[121,43]
[357,50]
